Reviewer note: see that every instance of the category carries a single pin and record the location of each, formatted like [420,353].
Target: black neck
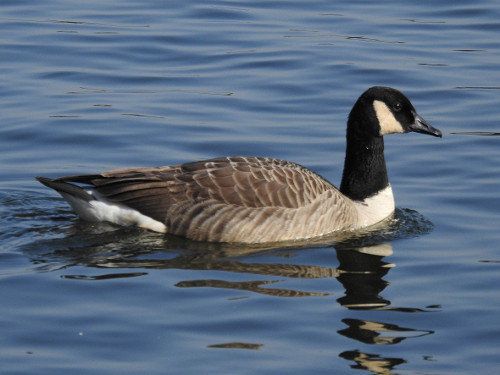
[365,173]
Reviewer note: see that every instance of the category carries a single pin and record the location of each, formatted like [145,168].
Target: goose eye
[397,107]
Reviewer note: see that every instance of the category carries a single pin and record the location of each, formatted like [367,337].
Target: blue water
[95,85]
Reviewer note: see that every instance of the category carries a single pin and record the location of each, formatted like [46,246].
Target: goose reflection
[180,254]
[360,257]
[363,275]
[360,271]
[372,362]
[359,263]
[377,333]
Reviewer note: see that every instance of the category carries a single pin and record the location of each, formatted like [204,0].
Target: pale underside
[233,199]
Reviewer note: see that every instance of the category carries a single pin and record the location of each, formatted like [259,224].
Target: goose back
[230,199]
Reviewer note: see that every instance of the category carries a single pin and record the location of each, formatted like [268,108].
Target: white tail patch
[103,210]
[386,119]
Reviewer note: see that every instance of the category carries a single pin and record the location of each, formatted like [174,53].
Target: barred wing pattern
[230,199]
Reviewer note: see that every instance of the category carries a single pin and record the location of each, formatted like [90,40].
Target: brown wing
[240,181]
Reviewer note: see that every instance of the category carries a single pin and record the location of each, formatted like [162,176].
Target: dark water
[89,86]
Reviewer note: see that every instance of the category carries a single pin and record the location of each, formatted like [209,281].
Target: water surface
[90,86]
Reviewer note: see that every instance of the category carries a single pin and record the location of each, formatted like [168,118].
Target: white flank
[386,119]
[375,209]
[103,210]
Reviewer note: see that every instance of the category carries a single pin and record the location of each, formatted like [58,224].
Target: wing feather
[238,181]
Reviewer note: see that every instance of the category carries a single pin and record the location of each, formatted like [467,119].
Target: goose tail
[91,207]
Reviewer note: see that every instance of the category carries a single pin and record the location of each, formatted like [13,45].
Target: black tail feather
[66,188]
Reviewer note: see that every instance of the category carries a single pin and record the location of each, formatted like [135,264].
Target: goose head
[383,110]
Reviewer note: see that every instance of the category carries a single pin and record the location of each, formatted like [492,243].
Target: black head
[384,110]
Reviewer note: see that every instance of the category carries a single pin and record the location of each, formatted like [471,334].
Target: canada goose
[254,199]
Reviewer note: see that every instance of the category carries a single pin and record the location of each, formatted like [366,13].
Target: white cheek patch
[386,119]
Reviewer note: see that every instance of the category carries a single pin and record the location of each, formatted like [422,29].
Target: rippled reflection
[372,362]
[360,267]
[378,333]
[236,345]
[361,259]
